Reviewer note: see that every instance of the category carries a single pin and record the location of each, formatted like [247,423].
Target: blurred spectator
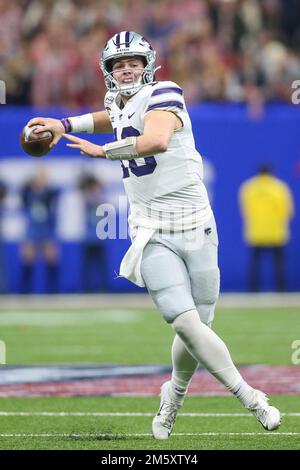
[2,260]
[290,22]
[235,50]
[18,76]
[267,208]
[94,257]
[39,202]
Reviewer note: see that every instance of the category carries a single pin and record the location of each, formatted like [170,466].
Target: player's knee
[205,290]
[206,313]
[170,299]
[171,303]
[167,282]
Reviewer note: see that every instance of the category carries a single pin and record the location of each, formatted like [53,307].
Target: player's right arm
[102,122]
[49,124]
[93,122]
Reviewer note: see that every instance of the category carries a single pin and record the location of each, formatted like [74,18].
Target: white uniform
[174,250]
[166,190]
[175,257]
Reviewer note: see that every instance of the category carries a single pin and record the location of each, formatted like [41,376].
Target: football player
[173,231]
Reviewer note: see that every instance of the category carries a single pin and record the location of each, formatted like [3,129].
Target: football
[35,145]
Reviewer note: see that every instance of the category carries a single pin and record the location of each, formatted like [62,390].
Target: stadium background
[236,61]
[83,372]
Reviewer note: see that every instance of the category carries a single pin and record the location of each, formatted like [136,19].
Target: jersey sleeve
[166,96]
[109,99]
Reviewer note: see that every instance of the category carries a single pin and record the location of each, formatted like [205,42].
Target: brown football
[35,144]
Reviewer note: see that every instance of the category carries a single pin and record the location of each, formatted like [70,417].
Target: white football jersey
[165,190]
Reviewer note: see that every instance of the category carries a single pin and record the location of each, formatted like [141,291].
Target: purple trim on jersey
[161,91]
[127,39]
[67,125]
[165,104]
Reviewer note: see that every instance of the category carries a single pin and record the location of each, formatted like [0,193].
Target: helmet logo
[126,40]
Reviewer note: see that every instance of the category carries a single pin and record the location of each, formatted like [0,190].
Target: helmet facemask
[132,87]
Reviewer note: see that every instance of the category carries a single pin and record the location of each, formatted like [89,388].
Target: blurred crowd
[33,213]
[217,50]
[35,209]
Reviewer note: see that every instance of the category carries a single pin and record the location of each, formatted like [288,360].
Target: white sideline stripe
[143,301]
[179,434]
[96,413]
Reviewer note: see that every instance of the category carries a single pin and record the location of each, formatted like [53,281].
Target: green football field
[131,336]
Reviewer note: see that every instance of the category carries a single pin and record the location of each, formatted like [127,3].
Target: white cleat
[267,415]
[170,404]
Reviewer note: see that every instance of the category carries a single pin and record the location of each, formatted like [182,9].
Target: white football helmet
[128,44]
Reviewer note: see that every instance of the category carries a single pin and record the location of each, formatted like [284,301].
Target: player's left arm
[158,130]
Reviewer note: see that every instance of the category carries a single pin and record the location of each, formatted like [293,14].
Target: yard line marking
[179,434]
[123,414]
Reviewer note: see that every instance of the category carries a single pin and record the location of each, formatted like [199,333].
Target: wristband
[67,125]
[83,123]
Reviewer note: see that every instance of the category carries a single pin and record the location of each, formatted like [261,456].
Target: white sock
[184,366]
[244,393]
[206,347]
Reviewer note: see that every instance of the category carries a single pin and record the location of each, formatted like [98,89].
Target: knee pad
[172,301]
[206,286]
[206,313]
[205,291]
[167,281]
[161,269]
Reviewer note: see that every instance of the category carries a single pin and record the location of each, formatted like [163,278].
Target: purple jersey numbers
[137,170]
